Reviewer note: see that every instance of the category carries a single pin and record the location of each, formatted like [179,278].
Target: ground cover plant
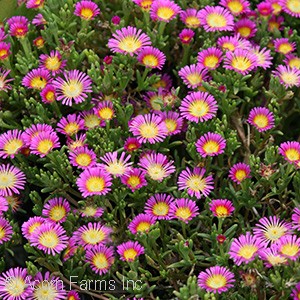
[150,149]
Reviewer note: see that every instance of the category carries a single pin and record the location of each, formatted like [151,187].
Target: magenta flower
[272,257]
[6,230]
[151,57]
[56,210]
[131,144]
[195,182]
[193,75]
[91,211]
[296,218]
[83,158]
[245,28]
[53,62]
[289,246]
[191,18]
[184,209]
[296,291]
[292,61]
[232,43]
[141,223]
[36,79]
[263,57]
[91,119]
[210,144]
[4,86]
[11,142]
[48,94]
[128,40]
[3,205]
[158,206]
[94,181]
[210,58]
[43,143]
[216,279]
[134,179]
[30,226]
[35,4]
[198,107]
[284,46]
[18,26]
[290,7]
[86,10]
[261,118]
[129,251]
[239,172]
[186,36]
[164,10]
[173,121]
[34,130]
[221,208]
[105,110]
[70,124]
[290,151]
[288,76]
[236,7]
[73,87]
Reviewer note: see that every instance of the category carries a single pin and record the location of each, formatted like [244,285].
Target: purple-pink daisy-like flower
[35,4]
[191,18]
[241,61]
[3,205]
[48,285]
[236,7]
[158,206]
[184,209]
[173,121]
[151,57]
[296,218]
[3,35]
[128,40]
[86,10]
[114,166]
[239,172]
[70,249]
[18,26]
[83,158]
[6,230]
[221,208]
[43,143]
[116,20]
[131,144]
[186,35]
[56,210]
[245,28]
[244,249]
[100,258]
[289,246]
[270,229]
[73,295]
[91,119]
[216,18]
[94,181]
[73,87]
[70,124]
[4,50]
[265,8]
[4,86]
[157,166]
[210,58]
[290,151]
[210,144]
[36,79]
[148,128]
[272,257]
[165,81]
[261,118]
[12,180]
[154,100]
[48,94]
[80,141]
[195,182]
[193,75]
[91,211]
[291,60]
[34,130]
[14,284]
[105,110]
[216,279]
[39,42]
[39,20]
[263,57]
[232,43]
[92,234]
[296,292]
[288,76]
[30,226]
[129,251]
[143,4]
[134,179]
[198,107]
[284,46]
[49,237]
[141,223]
[53,62]
[290,7]
[164,10]
[11,142]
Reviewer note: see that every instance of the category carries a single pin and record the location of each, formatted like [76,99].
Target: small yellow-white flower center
[83,159]
[165,13]
[240,175]
[95,184]
[130,44]
[211,147]
[52,63]
[50,96]
[275,260]
[143,226]
[12,146]
[133,181]
[49,239]
[235,6]
[71,128]
[289,78]
[192,22]
[116,168]
[44,146]
[247,251]
[150,60]
[156,172]
[72,89]
[7,180]
[2,233]
[148,130]
[15,286]
[146,4]
[228,46]
[273,233]
[293,5]
[57,213]
[130,254]
[93,236]
[289,249]
[216,281]
[156,102]
[89,211]
[292,154]
[295,63]
[244,31]
[100,261]
[241,63]
[211,61]
[45,290]
[196,183]
[183,213]
[3,53]
[277,7]
[86,13]
[106,113]
[91,121]
[38,83]
[171,125]
[261,121]
[216,20]
[199,108]
[160,209]
[194,78]
[33,227]
[222,211]
[285,48]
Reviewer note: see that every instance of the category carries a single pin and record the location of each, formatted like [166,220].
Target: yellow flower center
[3,52]
[277,8]
[165,13]
[196,183]
[244,31]
[7,180]
[130,254]
[275,260]
[156,102]
[57,213]
[285,48]
[240,175]
[100,261]
[292,154]
[183,213]
[247,251]
[150,60]
[194,78]
[49,239]
[86,13]
[45,291]
[33,227]
[289,78]
[261,121]
[171,125]
[50,96]
[241,63]
[93,236]
[106,113]
[216,20]
[130,44]
[156,172]
[143,226]
[72,89]
[116,168]
[228,46]
[160,209]
[222,211]
[91,121]
[2,233]
[71,128]
[53,63]
[273,233]
[198,108]
[133,181]
[15,286]
[146,4]
[38,83]
[89,211]
[95,184]
[211,147]
[192,22]
[83,159]
[216,281]
[12,146]
[295,62]
[293,6]
[44,146]
[149,130]
[235,6]
[211,61]
[289,249]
